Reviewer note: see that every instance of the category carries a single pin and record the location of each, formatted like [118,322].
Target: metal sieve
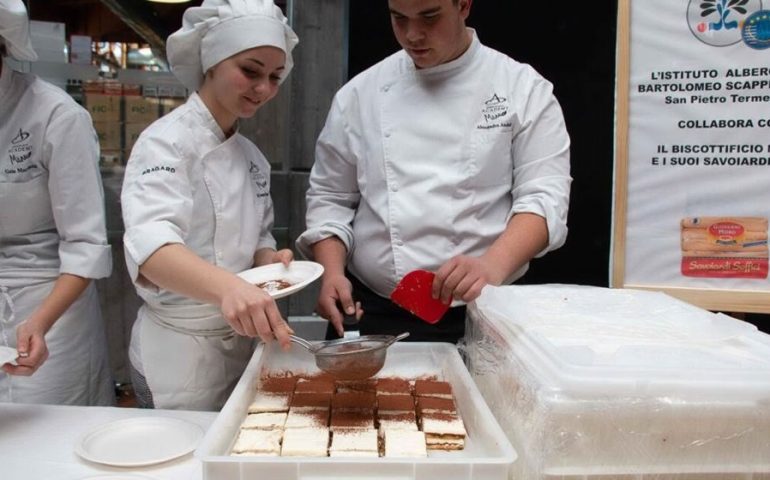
[350,358]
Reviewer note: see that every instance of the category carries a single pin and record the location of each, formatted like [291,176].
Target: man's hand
[284,256]
[463,277]
[252,312]
[337,289]
[33,351]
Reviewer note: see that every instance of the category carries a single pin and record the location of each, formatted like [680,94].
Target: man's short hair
[3,52]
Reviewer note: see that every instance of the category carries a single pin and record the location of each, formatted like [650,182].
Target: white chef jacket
[414,167]
[51,222]
[187,183]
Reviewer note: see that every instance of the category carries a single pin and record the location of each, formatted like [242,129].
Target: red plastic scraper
[413,293]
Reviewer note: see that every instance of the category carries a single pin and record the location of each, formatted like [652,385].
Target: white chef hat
[219,29]
[14,30]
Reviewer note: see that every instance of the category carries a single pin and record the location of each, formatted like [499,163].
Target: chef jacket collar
[458,63]
[209,121]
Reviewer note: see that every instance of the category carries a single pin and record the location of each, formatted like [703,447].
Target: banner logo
[721,23]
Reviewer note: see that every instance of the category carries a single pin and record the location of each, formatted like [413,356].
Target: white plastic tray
[488,455]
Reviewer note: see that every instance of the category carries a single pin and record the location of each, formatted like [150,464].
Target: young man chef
[53,239]
[447,156]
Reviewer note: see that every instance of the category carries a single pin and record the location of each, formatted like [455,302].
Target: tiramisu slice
[258,442]
[405,443]
[305,442]
[265,402]
[393,386]
[265,421]
[282,385]
[432,388]
[435,405]
[307,418]
[344,419]
[443,431]
[396,421]
[351,401]
[316,385]
[354,443]
[395,403]
[311,401]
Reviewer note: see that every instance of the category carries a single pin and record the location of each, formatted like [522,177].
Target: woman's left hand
[33,351]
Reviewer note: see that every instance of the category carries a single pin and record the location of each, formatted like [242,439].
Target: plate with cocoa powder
[279,281]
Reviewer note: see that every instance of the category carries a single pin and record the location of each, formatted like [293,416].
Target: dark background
[574,48]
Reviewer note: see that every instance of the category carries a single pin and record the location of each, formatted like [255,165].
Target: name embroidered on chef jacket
[161,168]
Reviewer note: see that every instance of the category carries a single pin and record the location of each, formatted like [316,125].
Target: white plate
[119,476]
[8,355]
[300,274]
[135,442]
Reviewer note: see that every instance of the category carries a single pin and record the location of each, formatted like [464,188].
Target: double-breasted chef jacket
[416,166]
[187,183]
[51,222]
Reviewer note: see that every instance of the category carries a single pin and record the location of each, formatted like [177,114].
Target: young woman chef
[53,239]
[197,209]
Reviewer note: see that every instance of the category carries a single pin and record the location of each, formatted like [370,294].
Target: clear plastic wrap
[590,382]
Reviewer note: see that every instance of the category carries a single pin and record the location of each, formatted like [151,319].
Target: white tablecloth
[37,443]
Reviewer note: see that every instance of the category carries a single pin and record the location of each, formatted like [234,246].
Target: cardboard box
[110,158]
[131,132]
[141,109]
[103,108]
[109,134]
[170,103]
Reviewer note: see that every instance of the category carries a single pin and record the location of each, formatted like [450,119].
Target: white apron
[190,357]
[77,371]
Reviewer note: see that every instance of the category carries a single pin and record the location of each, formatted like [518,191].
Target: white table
[37,442]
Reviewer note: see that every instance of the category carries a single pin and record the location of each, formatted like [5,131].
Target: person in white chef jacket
[447,156]
[197,210]
[53,239]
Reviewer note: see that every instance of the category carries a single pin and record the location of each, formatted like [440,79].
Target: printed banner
[698,165]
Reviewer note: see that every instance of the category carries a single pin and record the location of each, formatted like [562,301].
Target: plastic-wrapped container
[590,382]
[488,455]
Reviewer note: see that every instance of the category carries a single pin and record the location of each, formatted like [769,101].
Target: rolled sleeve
[157,201]
[333,196]
[77,196]
[541,156]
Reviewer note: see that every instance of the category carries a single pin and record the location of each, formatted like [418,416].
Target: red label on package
[711,267]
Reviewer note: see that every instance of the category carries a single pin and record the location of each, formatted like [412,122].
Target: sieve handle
[302,342]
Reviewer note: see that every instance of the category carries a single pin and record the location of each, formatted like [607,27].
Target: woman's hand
[33,351]
[252,312]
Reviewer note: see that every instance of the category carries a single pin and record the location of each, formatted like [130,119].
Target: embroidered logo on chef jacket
[259,180]
[19,155]
[493,113]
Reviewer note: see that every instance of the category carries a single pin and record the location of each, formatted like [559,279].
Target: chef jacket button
[219,254]
[394,187]
[385,88]
[387,134]
[399,243]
